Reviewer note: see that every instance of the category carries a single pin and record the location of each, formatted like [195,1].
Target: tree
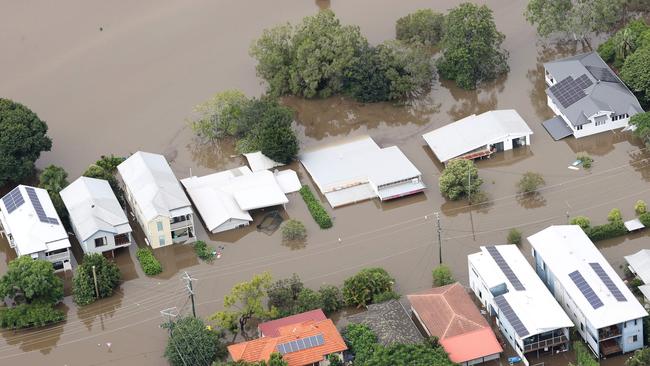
[105,168]
[191,342]
[23,136]
[31,281]
[573,17]
[514,236]
[640,207]
[472,50]
[424,26]
[455,179]
[641,123]
[220,115]
[442,276]
[581,221]
[54,179]
[294,230]
[332,298]
[309,299]
[276,360]
[636,73]
[614,215]
[276,137]
[530,182]
[283,295]
[365,79]
[83,286]
[640,357]
[245,302]
[334,360]
[408,70]
[360,289]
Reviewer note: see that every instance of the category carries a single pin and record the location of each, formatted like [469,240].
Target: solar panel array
[568,91]
[618,295]
[505,268]
[13,200]
[39,208]
[301,344]
[584,82]
[512,317]
[586,290]
[602,74]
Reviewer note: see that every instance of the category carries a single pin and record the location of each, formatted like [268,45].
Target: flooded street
[132,86]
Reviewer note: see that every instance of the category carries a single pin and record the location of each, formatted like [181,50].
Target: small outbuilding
[477,136]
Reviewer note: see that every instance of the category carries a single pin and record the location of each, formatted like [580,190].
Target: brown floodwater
[132,85]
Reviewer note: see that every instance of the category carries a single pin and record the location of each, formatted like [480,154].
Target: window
[121,239]
[614,118]
[160,226]
[161,241]
[582,327]
[634,321]
[625,325]
[579,127]
[635,338]
[55,252]
[100,242]
[600,123]
[178,219]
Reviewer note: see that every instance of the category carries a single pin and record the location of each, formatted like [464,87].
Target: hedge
[148,262]
[316,210]
[645,219]
[606,231]
[29,315]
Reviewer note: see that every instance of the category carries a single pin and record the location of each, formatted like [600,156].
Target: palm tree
[53,179]
[624,42]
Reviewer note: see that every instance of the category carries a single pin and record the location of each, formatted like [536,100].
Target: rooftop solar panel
[300,344]
[618,295]
[568,91]
[586,290]
[511,316]
[602,74]
[505,268]
[40,212]
[13,200]
[584,82]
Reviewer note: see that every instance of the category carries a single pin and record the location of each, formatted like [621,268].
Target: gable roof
[272,328]
[390,322]
[93,207]
[603,90]
[449,313]
[640,263]
[260,349]
[153,185]
[474,131]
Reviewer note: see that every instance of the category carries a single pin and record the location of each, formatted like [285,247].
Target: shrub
[582,221]
[360,289]
[203,251]
[634,286]
[294,230]
[442,276]
[585,159]
[455,182]
[583,355]
[148,261]
[385,296]
[607,50]
[334,360]
[606,231]
[316,210]
[309,299]
[530,182]
[361,341]
[423,26]
[614,215]
[640,207]
[83,284]
[641,357]
[29,315]
[645,219]
[514,236]
[332,298]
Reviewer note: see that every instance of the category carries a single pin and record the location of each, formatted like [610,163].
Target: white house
[526,312]
[358,169]
[604,311]
[224,198]
[480,135]
[97,219]
[32,226]
[587,97]
[157,199]
[639,264]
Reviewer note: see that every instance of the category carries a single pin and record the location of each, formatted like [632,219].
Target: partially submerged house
[32,226]
[606,314]
[390,322]
[358,170]
[480,135]
[224,198]
[526,313]
[97,219]
[449,313]
[587,97]
[157,199]
[639,265]
[271,328]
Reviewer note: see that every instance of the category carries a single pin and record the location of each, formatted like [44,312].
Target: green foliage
[640,207]
[275,135]
[472,50]
[83,286]
[582,221]
[442,276]
[640,357]
[31,280]
[361,341]
[203,251]
[283,295]
[636,73]
[23,136]
[29,315]
[606,231]
[642,123]
[105,168]
[360,289]
[584,357]
[148,261]
[54,179]
[424,26]
[276,360]
[645,219]
[332,298]
[585,159]
[294,230]
[191,342]
[634,286]
[455,179]
[385,296]
[607,50]
[309,299]
[366,79]
[614,215]
[316,210]
[624,42]
[220,115]
[334,360]
[530,182]
[514,236]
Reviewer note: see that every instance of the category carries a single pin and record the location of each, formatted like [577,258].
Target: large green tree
[83,286]
[459,178]
[23,136]
[424,26]
[636,73]
[53,179]
[31,280]
[409,70]
[220,115]
[283,295]
[641,123]
[472,50]
[191,342]
[276,138]
[360,289]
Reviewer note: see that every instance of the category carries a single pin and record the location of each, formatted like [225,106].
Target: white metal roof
[535,306]
[30,234]
[258,161]
[634,224]
[640,264]
[645,290]
[565,249]
[153,185]
[288,180]
[472,132]
[93,207]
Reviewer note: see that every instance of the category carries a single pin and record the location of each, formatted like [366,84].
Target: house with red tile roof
[272,328]
[449,313]
[300,344]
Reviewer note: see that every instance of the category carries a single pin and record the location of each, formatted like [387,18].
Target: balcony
[612,331]
[609,347]
[545,343]
[180,222]
[59,257]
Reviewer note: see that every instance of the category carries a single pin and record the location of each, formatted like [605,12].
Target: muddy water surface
[132,86]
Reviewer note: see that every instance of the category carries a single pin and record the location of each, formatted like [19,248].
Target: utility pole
[170,314]
[439,237]
[469,188]
[95,279]
[190,289]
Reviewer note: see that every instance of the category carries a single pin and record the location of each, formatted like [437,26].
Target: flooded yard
[132,85]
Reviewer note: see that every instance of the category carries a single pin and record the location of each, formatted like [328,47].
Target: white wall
[629,331]
[89,245]
[589,128]
[230,224]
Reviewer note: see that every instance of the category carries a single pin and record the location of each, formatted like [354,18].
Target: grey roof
[390,322]
[605,93]
[557,128]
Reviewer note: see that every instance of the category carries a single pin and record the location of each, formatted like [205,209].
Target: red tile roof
[448,313]
[260,349]
[271,328]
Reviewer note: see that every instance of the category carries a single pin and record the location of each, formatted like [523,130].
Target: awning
[633,225]
[557,128]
